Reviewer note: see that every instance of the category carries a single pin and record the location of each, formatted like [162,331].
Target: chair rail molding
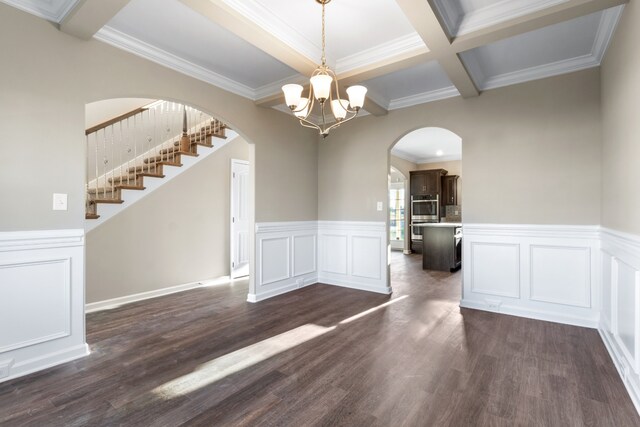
[546,272]
[41,300]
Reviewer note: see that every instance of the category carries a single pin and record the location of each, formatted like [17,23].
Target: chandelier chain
[324,59]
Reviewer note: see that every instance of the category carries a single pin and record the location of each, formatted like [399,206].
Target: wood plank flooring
[325,356]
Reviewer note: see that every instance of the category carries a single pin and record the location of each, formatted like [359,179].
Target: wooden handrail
[114,120]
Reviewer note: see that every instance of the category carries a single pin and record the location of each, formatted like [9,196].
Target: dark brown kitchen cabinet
[426,182]
[449,190]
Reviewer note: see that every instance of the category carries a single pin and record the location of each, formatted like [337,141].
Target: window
[396,214]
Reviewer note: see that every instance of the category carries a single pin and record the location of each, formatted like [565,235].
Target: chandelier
[324,89]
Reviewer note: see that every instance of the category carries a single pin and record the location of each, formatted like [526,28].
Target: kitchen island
[441,245]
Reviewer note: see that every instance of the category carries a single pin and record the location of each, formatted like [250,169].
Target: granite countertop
[439,224]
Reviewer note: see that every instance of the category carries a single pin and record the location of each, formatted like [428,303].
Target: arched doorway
[167,166]
[431,160]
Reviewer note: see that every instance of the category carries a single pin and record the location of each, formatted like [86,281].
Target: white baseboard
[359,286]
[630,379]
[279,291]
[532,314]
[128,299]
[46,361]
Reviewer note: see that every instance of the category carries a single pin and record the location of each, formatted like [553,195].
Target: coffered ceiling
[406,52]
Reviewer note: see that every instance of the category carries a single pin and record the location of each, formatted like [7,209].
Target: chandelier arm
[335,125]
[310,125]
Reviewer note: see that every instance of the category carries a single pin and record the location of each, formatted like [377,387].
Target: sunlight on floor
[371,310]
[226,365]
[229,364]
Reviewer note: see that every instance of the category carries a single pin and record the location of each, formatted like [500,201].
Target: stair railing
[123,150]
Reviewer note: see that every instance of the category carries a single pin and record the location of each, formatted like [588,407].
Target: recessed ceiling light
[439,153]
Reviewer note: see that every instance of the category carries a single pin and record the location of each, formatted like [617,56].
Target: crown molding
[402,45]
[275,87]
[501,11]
[423,160]
[608,23]
[404,155]
[428,160]
[564,66]
[272,23]
[451,14]
[51,10]
[137,47]
[422,98]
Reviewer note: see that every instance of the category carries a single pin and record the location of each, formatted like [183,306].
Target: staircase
[142,144]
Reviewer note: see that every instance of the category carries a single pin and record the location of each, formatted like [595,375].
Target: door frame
[231,222]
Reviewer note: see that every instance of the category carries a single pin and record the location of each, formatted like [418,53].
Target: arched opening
[430,259]
[160,185]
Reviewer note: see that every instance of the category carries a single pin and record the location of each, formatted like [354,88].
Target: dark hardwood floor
[325,356]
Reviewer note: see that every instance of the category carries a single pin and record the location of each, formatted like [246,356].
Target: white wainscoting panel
[286,257]
[561,275]
[305,254]
[620,310]
[537,271]
[354,254]
[486,278]
[334,253]
[41,300]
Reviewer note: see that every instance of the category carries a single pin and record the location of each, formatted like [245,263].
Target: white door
[239,218]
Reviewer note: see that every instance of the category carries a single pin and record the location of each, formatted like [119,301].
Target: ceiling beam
[553,15]
[227,17]
[88,16]
[425,21]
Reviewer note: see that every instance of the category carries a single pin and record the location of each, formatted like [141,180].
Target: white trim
[557,68]
[359,286]
[403,45]
[608,24]
[500,12]
[352,225]
[56,333]
[46,361]
[274,88]
[606,28]
[529,313]
[253,298]
[451,14]
[142,49]
[40,239]
[128,299]
[575,297]
[277,227]
[428,160]
[533,230]
[631,382]
[421,98]
[52,10]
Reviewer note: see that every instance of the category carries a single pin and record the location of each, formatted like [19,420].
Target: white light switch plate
[379,206]
[59,202]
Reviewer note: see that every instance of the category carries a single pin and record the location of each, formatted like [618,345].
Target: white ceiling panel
[464,16]
[52,10]
[353,26]
[428,79]
[428,145]
[174,28]
[557,49]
